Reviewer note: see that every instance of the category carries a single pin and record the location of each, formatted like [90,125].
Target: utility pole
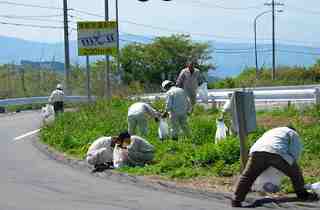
[107,63]
[88,78]
[118,40]
[273,4]
[66,48]
[273,43]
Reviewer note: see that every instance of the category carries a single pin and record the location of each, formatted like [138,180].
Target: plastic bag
[314,187]
[163,130]
[120,157]
[203,92]
[221,132]
[269,181]
[47,113]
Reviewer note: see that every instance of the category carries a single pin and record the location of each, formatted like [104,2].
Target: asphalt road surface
[30,180]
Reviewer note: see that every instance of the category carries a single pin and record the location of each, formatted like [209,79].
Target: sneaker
[235,203]
[306,196]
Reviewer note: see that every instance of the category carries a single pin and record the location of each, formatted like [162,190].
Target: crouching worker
[279,148]
[100,153]
[137,117]
[139,150]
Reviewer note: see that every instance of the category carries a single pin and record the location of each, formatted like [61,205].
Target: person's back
[141,108]
[56,96]
[140,151]
[282,140]
[177,101]
[100,151]
[137,117]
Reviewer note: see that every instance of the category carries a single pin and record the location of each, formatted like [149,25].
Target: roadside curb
[139,181]
[252,201]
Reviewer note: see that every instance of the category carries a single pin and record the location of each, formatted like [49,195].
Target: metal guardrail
[40,100]
[298,94]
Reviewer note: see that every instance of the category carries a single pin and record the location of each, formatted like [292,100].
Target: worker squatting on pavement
[178,107]
[189,80]
[280,148]
[57,99]
[137,117]
[138,150]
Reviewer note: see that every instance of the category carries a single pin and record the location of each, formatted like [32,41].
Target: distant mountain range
[230,58]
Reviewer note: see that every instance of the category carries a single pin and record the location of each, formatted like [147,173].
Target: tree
[163,58]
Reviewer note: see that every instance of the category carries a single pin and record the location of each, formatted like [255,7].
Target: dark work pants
[259,162]
[58,107]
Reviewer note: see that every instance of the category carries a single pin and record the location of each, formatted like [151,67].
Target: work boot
[306,196]
[235,203]
[100,167]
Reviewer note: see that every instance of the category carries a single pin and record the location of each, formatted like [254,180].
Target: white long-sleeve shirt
[282,141]
[56,96]
[177,101]
[101,150]
[141,108]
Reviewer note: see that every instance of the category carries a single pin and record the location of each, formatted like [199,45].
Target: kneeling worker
[279,148]
[100,153]
[140,151]
[137,117]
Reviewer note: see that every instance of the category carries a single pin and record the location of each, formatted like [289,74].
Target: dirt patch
[278,121]
[210,184]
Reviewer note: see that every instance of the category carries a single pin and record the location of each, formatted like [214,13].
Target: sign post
[244,120]
[96,38]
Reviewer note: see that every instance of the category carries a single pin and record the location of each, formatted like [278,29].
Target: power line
[303,10]
[31,25]
[215,5]
[32,19]
[29,5]
[33,16]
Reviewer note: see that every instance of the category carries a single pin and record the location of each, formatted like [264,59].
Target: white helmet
[166,83]
[59,86]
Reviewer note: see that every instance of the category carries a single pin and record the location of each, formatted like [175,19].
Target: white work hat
[166,83]
[59,86]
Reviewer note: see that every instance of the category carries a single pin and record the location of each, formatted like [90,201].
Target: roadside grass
[191,157]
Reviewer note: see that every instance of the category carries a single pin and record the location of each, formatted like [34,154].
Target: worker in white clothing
[189,80]
[139,150]
[279,148]
[57,99]
[100,153]
[178,107]
[137,117]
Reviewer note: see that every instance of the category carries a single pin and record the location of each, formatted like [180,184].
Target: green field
[188,158]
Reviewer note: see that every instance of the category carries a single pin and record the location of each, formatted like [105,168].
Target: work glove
[165,115]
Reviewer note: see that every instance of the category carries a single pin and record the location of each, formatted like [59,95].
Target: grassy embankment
[190,158]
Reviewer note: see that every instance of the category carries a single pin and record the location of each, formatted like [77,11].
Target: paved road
[29,180]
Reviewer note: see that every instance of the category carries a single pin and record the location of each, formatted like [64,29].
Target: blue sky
[217,20]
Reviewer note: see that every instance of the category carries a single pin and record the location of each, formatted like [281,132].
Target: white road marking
[26,135]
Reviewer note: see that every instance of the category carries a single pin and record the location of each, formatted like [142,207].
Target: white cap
[59,86]
[165,83]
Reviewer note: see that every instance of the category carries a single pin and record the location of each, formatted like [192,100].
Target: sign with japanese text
[97,38]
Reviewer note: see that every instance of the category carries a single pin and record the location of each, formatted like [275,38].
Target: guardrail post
[317,96]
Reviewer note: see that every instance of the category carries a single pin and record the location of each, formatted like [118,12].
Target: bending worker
[137,117]
[177,106]
[189,79]
[139,150]
[100,153]
[56,99]
[279,148]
